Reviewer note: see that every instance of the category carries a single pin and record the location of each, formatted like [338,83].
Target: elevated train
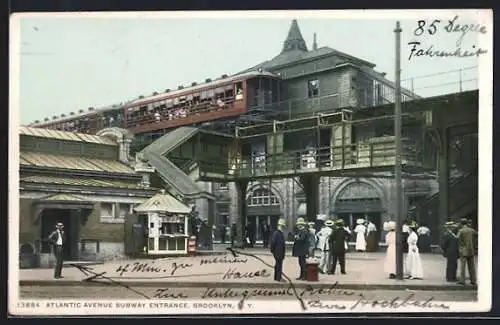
[219,100]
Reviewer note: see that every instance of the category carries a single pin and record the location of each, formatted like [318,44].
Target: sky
[67,63]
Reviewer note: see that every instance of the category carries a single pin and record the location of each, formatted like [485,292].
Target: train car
[88,121]
[223,98]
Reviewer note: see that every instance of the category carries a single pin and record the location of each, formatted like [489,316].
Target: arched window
[262,196]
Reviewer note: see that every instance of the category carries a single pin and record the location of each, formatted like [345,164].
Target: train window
[219,90]
[170,103]
[189,97]
[238,89]
[176,101]
[210,93]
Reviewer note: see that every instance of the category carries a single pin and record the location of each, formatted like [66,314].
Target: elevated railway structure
[339,144]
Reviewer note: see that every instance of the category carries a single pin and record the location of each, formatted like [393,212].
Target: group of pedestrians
[458,244]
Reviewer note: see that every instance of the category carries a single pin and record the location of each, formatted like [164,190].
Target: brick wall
[106,232]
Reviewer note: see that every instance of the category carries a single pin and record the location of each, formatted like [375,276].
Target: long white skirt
[413,263]
[360,242]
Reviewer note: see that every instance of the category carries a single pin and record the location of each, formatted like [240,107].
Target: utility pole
[397,165]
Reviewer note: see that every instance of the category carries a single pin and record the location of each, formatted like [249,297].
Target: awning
[163,203]
[64,202]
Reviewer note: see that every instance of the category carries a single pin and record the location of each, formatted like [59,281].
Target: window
[313,88]
[223,186]
[264,197]
[123,210]
[107,211]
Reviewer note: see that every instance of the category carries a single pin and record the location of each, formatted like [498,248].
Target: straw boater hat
[311,224]
[329,223]
[339,222]
[281,222]
[360,221]
[300,221]
[413,224]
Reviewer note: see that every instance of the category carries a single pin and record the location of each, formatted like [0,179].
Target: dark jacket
[301,243]
[337,240]
[277,245]
[53,237]
[449,245]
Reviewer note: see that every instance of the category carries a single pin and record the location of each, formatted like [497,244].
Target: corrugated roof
[90,182]
[39,159]
[64,135]
[163,202]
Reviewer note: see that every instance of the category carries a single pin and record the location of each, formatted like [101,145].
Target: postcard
[167,163]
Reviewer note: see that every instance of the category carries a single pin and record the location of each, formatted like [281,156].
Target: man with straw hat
[278,249]
[322,238]
[449,245]
[57,239]
[337,246]
[301,247]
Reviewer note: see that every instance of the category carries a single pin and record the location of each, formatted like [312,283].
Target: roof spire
[294,40]
[315,44]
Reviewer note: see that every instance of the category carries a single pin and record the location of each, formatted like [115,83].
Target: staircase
[462,192]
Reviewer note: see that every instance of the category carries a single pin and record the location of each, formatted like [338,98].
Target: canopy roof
[163,203]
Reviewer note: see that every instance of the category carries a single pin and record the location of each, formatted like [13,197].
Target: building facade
[87,182]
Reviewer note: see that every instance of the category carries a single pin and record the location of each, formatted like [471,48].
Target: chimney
[315,44]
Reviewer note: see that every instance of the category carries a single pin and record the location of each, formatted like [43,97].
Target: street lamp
[397,164]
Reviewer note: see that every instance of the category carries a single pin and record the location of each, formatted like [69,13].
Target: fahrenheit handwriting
[417,51]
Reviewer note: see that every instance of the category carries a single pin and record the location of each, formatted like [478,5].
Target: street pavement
[252,268]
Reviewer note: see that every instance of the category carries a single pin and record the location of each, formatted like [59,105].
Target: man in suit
[449,245]
[301,247]
[278,248]
[466,242]
[337,246]
[57,239]
[322,243]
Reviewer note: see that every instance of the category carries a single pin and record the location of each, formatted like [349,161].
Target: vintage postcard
[250,162]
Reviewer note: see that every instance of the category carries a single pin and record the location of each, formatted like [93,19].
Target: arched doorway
[263,206]
[358,200]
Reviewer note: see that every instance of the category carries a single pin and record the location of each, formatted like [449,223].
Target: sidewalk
[364,271]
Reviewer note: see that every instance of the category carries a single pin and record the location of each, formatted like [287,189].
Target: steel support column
[444,177]
[241,203]
[311,191]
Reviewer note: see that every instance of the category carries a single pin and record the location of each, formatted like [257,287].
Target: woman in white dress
[360,231]
[413,263]
[390,255]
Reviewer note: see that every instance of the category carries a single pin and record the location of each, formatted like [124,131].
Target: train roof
[77,115]
[210,84]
